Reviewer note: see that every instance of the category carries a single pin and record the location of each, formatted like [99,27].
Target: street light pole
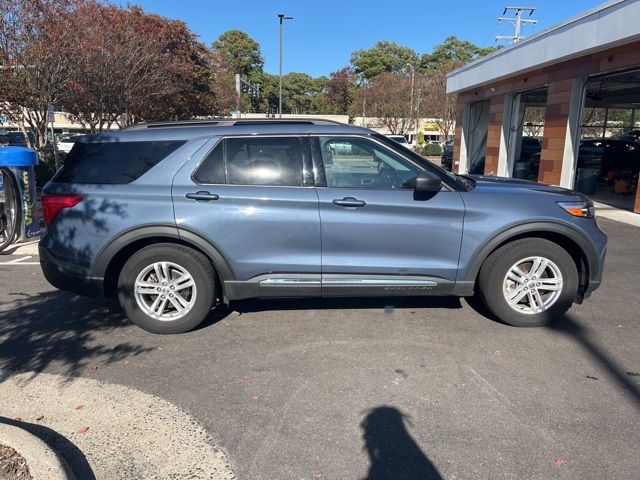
[413,76]
[282,18]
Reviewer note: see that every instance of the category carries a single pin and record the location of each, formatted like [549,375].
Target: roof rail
[234,121]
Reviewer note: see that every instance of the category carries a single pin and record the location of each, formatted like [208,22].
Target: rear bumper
[67,280]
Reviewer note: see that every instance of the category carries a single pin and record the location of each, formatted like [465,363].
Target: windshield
[461,182]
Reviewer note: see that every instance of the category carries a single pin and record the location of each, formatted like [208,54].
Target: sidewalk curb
[42,461]
[612,213]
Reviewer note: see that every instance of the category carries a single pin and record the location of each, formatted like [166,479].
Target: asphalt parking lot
[350,389]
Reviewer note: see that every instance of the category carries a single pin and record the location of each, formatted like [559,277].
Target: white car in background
[66,144]
[401,140]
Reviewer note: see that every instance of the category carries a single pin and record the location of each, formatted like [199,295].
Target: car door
[253,199]
[378,235]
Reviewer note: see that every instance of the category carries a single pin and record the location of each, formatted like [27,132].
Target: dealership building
[560,107]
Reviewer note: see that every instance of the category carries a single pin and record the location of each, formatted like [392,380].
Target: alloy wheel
[532,285]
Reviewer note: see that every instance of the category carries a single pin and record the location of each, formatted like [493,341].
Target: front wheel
[167,288]
[529,282]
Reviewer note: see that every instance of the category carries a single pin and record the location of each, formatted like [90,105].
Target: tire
[170,262]
[554,286]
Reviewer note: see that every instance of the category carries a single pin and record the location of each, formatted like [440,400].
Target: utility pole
[517,21]
[282,18]
[411,115]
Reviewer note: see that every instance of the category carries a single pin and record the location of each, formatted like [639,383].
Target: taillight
[53,203]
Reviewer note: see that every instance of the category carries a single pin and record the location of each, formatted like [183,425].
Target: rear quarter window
[112,162]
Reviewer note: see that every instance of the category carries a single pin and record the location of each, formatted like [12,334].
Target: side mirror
[428,182]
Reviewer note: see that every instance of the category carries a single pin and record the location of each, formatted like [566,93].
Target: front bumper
[64,279]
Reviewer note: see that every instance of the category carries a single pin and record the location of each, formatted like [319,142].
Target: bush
[46,167]
[420,139]
[429,150]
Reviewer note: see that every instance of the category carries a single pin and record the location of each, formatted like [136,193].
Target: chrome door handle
[349,202]
[202,196]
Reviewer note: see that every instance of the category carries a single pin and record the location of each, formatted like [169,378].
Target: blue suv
[176,217]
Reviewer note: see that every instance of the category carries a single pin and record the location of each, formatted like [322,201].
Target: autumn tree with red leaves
[35,68]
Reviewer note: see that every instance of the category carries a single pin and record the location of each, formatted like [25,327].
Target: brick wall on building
[555,130]
[496,110]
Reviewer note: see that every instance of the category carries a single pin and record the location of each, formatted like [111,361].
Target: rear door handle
[202,196]
[349,202]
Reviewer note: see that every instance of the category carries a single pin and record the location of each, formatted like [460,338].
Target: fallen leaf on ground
[79,407]
[17,419]
[39,418]
[126,361]
[255,397]
[161,348]
[246,377]
[93,368]
[559,461]
[83,430]
[317,474]
[496,353]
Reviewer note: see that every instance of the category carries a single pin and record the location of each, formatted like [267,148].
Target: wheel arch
[574,242]
[112,257]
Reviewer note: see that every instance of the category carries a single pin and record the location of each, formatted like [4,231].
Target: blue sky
[323,34]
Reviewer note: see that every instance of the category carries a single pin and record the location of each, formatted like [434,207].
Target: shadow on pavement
[393,453]
[65,448]
[63,329]
[581,335]
[386,304]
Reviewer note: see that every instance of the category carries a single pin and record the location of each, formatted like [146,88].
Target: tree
[453,50]
[387,98]
[300,93]
[138,64]
[437,104]
[35,38]
[383,57]
[339,91]
[240,51]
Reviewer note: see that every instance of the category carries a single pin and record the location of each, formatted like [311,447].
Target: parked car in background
[175,217]
[65,144]
[446,158]
[401,139]
[18,139]
[632,136]
[610,156]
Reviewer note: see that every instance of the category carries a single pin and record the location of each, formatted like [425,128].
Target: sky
[322,34]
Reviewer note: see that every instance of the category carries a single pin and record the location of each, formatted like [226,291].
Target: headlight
[579,209]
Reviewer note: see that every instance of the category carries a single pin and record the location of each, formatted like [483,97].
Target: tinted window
[264,161]
[112,163]
[360,163]
[211,170]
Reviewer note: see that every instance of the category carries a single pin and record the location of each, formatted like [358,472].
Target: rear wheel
[167,288]
[529,282]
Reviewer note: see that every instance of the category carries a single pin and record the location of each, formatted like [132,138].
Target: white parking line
[20,261]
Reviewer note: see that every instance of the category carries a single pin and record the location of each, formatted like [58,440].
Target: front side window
[361,163]
[264,161]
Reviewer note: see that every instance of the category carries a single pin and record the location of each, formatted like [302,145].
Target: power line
[517,21]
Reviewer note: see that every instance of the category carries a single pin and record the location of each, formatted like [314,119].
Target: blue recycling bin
[18,196]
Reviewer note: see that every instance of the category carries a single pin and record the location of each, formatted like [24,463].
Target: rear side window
[112,162]
[211,170]
[253,161]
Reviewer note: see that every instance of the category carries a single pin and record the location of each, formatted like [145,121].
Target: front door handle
[349,202]
[202,196]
